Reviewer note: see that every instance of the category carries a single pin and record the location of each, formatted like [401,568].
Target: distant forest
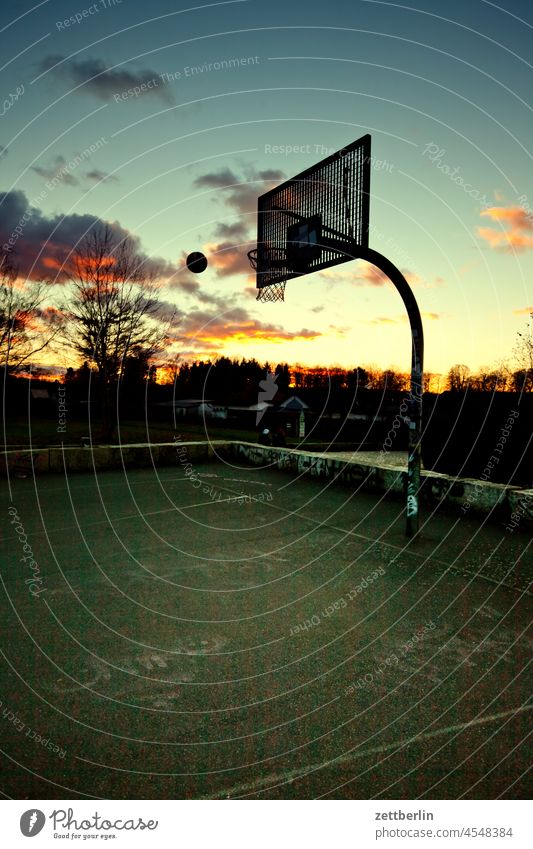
[240,376]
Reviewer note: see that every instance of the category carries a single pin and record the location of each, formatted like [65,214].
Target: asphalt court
[241,633]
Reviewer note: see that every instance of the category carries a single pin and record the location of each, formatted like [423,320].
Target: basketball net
[272,293]
[267,294]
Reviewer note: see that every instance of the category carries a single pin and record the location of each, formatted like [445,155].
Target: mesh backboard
[316,219]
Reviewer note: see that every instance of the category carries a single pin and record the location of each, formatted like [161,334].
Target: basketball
[197,262]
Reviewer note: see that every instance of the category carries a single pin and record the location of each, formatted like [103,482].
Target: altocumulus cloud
[93,76]
[98,176]
[239,193]
[518,232]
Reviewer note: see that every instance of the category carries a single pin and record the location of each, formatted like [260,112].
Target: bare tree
[171,370]
[374,376]
[489,380]
[458,378]
[394,380]
[431,382]
[112,311]
[25,328]
[523,354]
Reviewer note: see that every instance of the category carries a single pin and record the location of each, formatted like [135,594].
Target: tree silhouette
[523,352]
[25,328]
[112,309]
[458,378]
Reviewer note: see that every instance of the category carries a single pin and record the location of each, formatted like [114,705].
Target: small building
[40,394]
[251,416]
[293,404]
[195,408]
[291,416]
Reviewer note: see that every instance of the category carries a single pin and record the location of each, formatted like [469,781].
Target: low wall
[463,495]
[102,457]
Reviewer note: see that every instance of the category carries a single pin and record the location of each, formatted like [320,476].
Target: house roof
[191,402]
[293,403]
[254,408]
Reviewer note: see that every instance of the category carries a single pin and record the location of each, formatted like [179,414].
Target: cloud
[42,243]
[238,231]
[240,194]
[184,284]
[403,318]
[515,216]
[3,151]
[229,255]
[56,170]
[195,285]
[518,235]
[41,372]
[203,327]
[167,311]
[182,279]
[224,258]
[97,176]
[94,77]
[507,241]
[50,315]
[59,170]
[523,311]
[270,175]
[221,302]
[386,320]
[340,330]
[227,259]
[46,318]
[371,276]
[365,274]
[216,179]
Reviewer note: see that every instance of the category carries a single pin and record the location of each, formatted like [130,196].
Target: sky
[169,119]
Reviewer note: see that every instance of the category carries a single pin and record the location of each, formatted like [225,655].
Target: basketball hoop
[273,258]
[271,294]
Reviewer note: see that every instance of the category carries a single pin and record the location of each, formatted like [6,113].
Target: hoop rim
[275,257]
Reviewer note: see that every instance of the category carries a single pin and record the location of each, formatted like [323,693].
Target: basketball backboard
[315,220]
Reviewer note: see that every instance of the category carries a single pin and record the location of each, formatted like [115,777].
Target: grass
[41,431]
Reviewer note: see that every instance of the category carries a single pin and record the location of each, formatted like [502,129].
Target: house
[195,408]
[40,394]
[293,404]
[250,416]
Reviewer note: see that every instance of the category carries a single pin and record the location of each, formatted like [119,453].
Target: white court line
[271,781]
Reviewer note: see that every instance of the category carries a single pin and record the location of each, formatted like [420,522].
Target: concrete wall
[101,457]
[464,496]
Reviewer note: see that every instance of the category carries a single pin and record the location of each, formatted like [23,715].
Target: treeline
[223,375]
[240,376]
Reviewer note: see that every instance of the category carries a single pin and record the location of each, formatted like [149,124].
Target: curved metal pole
[417,371]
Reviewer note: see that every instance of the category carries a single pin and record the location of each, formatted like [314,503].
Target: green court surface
[243,633]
